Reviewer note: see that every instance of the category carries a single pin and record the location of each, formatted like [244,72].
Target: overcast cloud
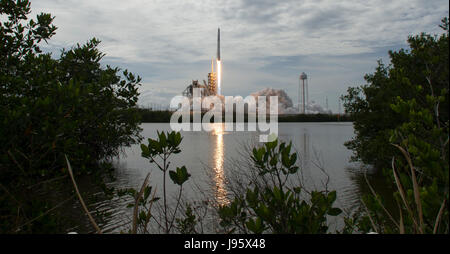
[264,43]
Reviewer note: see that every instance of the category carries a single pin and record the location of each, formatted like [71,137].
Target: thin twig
[379,201]
[402,225]
[149,212]
[17,163]
[136,204]
[370,217]
[402,194]
[415,187]
[176,208]
[80,198]
[47,181]
[438,218]
[7,192]
[164,194]
[45,213]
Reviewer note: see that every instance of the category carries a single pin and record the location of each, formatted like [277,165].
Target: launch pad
[213,85]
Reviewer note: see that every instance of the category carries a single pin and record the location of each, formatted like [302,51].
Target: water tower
[301,92]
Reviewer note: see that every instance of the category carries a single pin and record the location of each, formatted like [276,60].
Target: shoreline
[149,116]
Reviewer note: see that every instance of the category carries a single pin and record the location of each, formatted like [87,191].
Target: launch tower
[212,79]
[301,92]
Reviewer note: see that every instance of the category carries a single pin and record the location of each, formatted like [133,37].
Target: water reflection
[377,180]
[220,192]
[319,144]
[306,149]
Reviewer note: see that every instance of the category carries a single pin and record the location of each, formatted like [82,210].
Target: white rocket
[218,44]
[219,67]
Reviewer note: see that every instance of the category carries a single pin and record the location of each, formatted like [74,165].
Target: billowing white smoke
[285,105]
[314,108]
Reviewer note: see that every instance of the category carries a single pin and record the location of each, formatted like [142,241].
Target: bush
[51,107]
[370,105]
[270,206]
[414,142]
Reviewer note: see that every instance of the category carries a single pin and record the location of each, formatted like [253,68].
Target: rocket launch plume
[219,77]
[219,66]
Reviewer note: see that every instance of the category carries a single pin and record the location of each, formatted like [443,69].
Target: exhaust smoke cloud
[285,105]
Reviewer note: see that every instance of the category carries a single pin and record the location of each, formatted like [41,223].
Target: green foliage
[142,204]
[50,107]
[273,207]
[412,102]
[276,162]
[179,176]
[188,223]
[158,151]
[165,145]
[407,77]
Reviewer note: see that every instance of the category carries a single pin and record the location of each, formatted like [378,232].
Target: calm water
[323,159]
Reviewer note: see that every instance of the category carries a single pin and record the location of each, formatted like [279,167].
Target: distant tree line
[148,115]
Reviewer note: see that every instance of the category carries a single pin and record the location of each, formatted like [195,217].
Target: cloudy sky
[264,43]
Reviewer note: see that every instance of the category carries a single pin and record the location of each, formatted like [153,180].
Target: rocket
[218,44]
[219,67]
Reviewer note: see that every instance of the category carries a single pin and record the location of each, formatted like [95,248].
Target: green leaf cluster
[402,124]
[413,75]
[275,160]
[158,151]
[275,208]
[179,176]
[51,106]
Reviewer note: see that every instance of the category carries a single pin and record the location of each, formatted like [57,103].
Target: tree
[412,96]
[370,104]
[50,107]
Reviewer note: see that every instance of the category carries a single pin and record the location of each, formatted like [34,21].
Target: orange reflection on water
[218,157]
